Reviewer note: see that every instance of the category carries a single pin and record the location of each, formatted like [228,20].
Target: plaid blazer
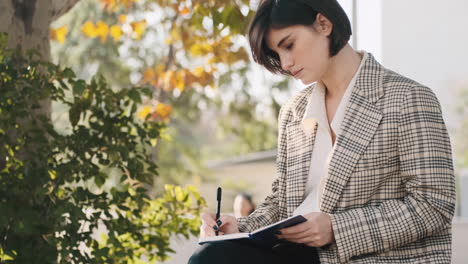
[390,188]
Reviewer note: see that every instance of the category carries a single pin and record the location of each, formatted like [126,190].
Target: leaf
[180,80]
[52,174]
[89,29]
[68,73]
[100,179]
[144,112]
[116,32]
[184,11]
[134,95]
[201,49]
[122,19]
[163,111]
[102,29]
[59,34]
[79,87]
[179,193]
[74,114]
[6,257]
[138,28]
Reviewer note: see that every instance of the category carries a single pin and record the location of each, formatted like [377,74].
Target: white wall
[368,27]
[460,241]
[426,40]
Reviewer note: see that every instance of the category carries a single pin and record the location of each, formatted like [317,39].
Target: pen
[218,209]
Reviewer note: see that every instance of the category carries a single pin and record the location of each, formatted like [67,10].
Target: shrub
[79,195]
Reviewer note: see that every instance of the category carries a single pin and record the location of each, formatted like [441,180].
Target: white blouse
[323,146]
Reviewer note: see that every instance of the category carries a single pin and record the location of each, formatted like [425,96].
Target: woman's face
[303,51]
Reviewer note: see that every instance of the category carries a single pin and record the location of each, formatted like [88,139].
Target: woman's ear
[322,25]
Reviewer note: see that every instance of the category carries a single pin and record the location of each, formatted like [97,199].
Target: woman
[363,153]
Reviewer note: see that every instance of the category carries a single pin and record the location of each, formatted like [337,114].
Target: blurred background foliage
[194,55]
[79,194]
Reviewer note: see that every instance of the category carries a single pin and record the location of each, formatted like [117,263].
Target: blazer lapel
[300,137]
[300,142]
[361,121]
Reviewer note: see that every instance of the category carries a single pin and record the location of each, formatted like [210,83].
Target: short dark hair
[279,14]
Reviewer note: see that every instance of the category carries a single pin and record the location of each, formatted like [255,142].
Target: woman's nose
[286,63]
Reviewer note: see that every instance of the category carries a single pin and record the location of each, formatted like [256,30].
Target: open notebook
[264,236]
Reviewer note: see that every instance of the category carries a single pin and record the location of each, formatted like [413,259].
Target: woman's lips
[296,74]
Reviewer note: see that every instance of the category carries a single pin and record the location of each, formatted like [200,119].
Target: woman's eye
[290,46]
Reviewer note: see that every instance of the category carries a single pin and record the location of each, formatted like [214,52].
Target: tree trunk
[27,23]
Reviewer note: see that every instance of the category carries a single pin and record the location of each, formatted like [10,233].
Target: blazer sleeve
[268,212]
[428,179]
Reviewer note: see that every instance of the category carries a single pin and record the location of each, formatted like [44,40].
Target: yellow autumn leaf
[163,111]
[212,60]
[144,112]
[180,80]
[102,29]
[116,32]
[138,28]
[149,75]
[184,11]
[198,72]
[122,19]
[201,49]
[153,76]
[59,34]
[89,29]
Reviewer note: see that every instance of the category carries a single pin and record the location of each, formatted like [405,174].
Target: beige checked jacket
[390,188]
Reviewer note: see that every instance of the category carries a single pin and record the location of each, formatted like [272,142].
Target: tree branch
[61,7]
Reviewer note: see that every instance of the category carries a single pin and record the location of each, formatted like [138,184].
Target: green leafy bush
[79,196]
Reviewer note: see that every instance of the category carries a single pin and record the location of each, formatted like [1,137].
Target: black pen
[218,209]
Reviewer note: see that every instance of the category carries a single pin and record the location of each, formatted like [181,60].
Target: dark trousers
[235,252]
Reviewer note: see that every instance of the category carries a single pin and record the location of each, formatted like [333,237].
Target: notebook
[264,236]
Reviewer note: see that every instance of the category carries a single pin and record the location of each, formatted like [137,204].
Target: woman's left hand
[315,232]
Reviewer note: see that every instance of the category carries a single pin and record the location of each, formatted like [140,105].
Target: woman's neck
[341,71]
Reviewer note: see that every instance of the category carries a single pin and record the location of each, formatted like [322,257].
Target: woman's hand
[315,232]
[226,225]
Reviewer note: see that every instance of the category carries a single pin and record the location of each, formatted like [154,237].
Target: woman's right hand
[228,225]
